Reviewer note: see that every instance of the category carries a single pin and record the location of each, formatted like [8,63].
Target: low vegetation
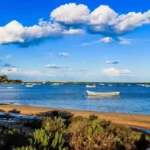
[76,134]
[4,79]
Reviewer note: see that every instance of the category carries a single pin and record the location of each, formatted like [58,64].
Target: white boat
[29,85]
[102,84]
[10,87]
[56,84]
[147,85]
[103,94]
[90,86]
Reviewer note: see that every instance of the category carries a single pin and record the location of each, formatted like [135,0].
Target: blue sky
[84,40]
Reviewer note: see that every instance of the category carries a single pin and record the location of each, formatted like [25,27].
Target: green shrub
[58,141]
[41,138]
[93,117]
[25,148]
[11,131]
[81,134]
[56,124]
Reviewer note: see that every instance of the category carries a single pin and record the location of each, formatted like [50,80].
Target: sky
[75,40]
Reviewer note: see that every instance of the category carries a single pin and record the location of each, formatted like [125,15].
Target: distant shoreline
[141,121]
[69,82]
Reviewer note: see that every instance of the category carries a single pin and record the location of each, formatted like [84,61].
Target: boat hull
[90,86]
[102,94]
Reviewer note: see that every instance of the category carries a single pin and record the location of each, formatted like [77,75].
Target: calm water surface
[133,99]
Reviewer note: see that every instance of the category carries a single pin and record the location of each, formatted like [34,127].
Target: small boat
[90,86]
[10,87]
[56,84]
[102,84]
[29,85]
[102,94]
[147,85]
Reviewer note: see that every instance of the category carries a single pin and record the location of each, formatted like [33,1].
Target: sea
[133,99]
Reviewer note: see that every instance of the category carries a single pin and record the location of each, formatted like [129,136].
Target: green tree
[3,78]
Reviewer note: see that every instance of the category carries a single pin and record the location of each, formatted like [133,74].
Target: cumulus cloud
[105,20]
[74,19]
[115,72]
[73,32]
[63,54]
[115,62]
[14,32]
[71,14]
[106,40]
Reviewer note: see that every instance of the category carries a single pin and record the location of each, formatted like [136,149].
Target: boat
[102,94]
[29,85]
[147,85]
[10,87]
[56,84]
[90,86]
[102,84]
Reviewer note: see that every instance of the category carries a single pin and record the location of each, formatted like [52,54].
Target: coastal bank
[139,121]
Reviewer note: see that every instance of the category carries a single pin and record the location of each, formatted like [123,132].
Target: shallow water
[133,99]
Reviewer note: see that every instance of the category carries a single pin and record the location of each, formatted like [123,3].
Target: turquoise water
[133,99]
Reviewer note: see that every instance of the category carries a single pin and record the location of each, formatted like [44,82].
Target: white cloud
[73,19]
[22,72]
[8,70]
[64,54]
[104,20]
[14,32]
[106,40]
[71,14]
[103,15]
[53,66]
[124,41]
[35,75]
[102,40]
[73,32]
[115,72]
[112,62]
[132,20]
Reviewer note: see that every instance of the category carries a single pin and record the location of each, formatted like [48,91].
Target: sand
[142,121]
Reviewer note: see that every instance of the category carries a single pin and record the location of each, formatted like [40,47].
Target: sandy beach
[142,121]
